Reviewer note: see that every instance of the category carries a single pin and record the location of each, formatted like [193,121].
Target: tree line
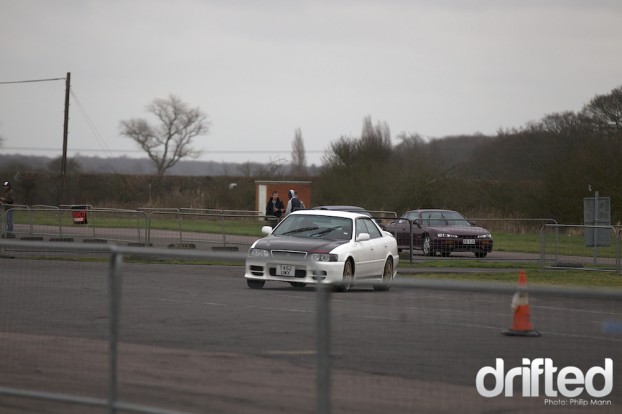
[541,170]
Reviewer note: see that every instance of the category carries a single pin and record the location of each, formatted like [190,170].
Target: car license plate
[285,270]
[468,241]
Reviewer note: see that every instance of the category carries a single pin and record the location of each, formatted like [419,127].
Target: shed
[264,189]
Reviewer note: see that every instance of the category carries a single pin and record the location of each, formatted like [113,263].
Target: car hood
[297,243]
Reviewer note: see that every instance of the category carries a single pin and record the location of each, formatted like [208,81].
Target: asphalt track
[196,339]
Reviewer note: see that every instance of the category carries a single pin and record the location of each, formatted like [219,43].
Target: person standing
[293,204]
[275,206]
[8,198]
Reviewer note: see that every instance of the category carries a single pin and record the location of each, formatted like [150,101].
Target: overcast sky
[261,69]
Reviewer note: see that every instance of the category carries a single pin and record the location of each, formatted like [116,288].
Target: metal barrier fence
[220,229]
[122,336]
[178,227]
[560,246]
[585,247]
[82,223]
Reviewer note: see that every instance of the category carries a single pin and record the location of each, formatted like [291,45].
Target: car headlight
[484,236]
[446,235]
[258,253]
[323,257]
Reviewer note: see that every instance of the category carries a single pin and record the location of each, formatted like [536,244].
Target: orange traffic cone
[521,324]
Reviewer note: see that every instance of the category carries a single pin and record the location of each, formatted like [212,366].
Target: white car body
[316,246]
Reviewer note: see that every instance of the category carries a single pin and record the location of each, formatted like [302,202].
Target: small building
[264,189]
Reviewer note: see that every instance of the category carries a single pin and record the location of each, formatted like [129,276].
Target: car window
[365,225]
[410,217]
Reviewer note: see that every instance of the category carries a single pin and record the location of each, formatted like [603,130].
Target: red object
[79,217]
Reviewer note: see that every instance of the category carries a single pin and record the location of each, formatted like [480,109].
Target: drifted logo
[569,381]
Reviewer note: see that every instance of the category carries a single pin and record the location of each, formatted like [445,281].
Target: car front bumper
[308,272]
[457,245]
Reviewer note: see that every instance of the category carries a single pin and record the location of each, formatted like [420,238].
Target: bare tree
[605,112]
[299,162]
[271,169]
[171,140]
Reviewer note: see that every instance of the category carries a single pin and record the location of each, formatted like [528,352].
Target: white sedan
[315,246]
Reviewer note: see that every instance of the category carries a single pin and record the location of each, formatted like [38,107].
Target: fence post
[222,227]
[542,245]
[410,240]
[114,291]
[322,336]
[618,253]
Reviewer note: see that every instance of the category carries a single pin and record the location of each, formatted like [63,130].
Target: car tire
[387,276]
[427,246]
[348,276]
[255,283]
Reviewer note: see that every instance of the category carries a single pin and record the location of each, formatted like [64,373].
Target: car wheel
[427,246]
[387,276]
[480,254]
[298,284]
[255,284]
[348,276]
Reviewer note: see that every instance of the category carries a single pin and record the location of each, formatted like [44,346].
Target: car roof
[343,208]
[430,209]
[330,213]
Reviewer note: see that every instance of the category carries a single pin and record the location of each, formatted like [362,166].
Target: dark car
[440,231]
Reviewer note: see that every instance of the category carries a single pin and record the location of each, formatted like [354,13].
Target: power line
[30,81]
[98,136]
[140,150]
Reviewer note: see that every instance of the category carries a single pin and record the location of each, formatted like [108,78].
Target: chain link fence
[158,330]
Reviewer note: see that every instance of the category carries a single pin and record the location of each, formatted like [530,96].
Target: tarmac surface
[195,339]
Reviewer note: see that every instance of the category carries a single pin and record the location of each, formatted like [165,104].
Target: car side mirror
[266,230]
[363,237]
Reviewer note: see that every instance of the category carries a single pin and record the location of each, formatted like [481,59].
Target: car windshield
[445,218]
[314,226]
[455,219]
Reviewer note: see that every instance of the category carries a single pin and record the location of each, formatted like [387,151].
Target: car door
[401,231]
[411,222]
[373,250]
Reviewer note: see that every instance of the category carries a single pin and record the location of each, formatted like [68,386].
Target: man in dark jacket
[275,206]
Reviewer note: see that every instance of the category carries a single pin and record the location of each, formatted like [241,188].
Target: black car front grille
[289,254]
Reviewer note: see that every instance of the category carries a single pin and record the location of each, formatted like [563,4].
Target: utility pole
[63,163]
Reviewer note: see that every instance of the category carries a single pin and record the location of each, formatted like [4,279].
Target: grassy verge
[479,270]
[507,272]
